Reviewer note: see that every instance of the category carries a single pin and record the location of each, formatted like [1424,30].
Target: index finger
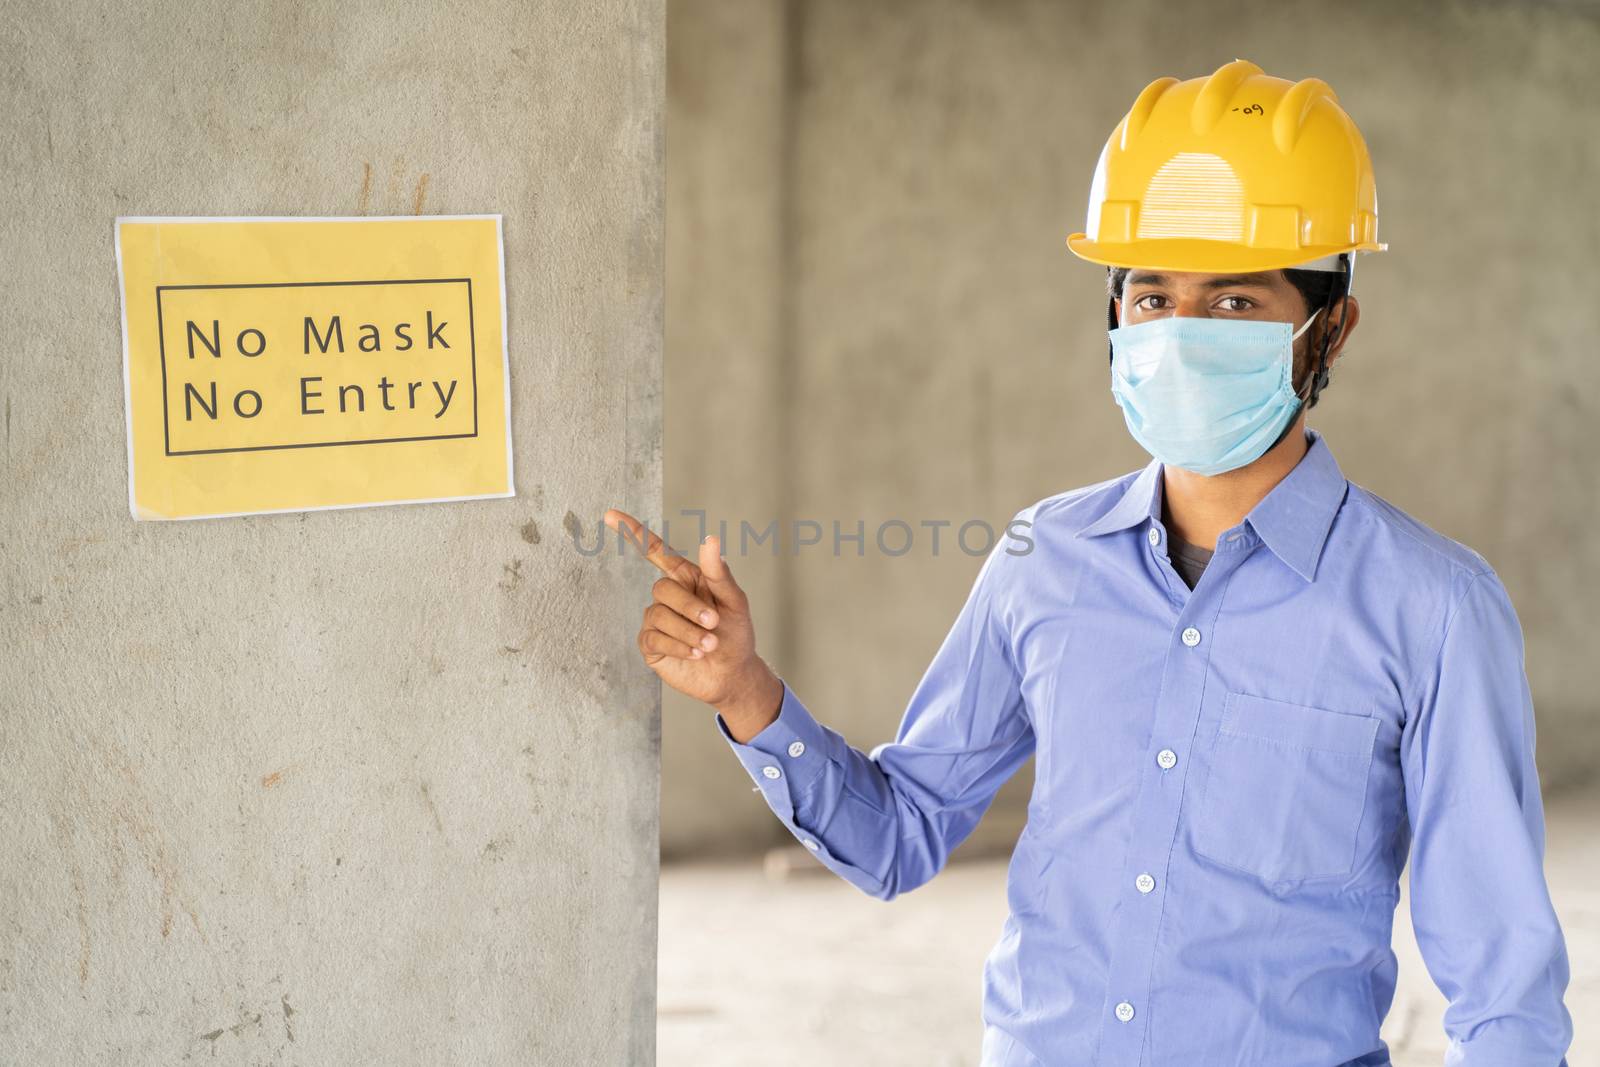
[654,548]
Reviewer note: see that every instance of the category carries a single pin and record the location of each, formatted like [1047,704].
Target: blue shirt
[1228,781]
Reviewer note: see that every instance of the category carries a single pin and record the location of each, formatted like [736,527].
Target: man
[1251,685]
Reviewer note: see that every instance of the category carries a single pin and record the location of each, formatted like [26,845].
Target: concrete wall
[351,787]
[943,353]
[726,418]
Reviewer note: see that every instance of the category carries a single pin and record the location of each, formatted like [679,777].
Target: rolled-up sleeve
[1484,921]
[887,820]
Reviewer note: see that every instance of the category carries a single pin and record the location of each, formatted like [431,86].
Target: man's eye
[1236,303]
[1150,302]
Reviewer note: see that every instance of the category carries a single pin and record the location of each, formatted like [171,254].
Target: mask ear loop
[1306,325]
[1319,377]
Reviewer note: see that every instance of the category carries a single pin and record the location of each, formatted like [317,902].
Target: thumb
[718,578]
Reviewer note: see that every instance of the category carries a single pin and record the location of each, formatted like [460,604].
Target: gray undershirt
[1188,560]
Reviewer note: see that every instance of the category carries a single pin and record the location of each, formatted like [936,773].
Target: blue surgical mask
[1206,395]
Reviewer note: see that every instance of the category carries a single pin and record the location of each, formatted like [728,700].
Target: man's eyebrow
[1235,281]
[1224,281]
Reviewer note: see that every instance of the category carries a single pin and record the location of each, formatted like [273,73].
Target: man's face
[1266,296]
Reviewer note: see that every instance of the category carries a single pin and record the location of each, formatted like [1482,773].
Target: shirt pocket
[1287,788]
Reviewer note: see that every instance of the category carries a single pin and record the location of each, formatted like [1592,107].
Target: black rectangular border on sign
[472,339]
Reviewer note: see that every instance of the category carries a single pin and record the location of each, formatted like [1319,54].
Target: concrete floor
[784,963]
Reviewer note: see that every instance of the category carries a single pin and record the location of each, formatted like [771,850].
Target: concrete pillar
[347,787]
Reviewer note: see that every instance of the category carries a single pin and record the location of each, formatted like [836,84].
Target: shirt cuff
[786,758]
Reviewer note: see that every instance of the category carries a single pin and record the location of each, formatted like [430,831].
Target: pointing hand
[697,633]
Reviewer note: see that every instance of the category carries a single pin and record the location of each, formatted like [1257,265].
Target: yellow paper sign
[295,364]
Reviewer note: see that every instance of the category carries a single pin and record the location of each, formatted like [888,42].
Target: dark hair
[1316,287]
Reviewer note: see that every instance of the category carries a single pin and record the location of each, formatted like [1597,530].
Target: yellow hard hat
[1240,171]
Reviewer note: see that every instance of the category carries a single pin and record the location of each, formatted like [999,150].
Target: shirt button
[1191,637]
[796,747]
[771,772]
[1155,536]
[1166,759]
[1125,1011]
[812,845]
[1145,883]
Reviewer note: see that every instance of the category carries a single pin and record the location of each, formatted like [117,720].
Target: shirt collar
[1140,500]
[1293,518]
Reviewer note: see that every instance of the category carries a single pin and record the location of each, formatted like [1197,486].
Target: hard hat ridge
[1290,117]
[1218,91]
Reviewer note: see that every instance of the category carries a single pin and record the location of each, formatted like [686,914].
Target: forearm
[839,802]
[813,779]
[885,820]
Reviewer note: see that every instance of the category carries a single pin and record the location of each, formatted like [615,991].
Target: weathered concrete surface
[944,353]
[366,786]
[842,978]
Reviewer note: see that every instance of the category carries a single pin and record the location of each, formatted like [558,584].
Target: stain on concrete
[288,1018]
[270,780]
[512,577]
[134,812]
[80,893]
[574,527]
[530,532]
[396,177]
[366,192]
[248,1020]
[433,809]
[422,194]
[72,544]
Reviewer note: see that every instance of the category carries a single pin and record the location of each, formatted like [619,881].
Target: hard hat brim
[1204,256]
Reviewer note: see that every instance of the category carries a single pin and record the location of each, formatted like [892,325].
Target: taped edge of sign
[127,381]
[505,355]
